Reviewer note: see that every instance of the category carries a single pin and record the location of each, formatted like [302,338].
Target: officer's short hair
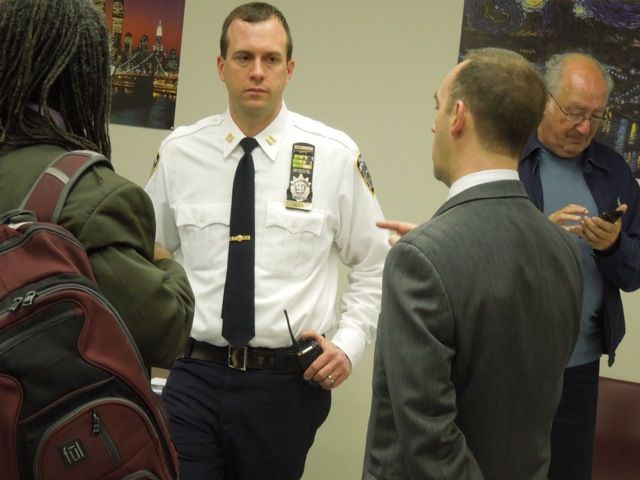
[254,12]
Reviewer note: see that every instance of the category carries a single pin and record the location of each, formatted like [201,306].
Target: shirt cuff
[351,342]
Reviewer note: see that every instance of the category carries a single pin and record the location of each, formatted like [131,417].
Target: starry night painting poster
[146,36]
[607,29]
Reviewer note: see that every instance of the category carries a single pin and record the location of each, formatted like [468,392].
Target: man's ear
[290,65]
[220,67]
[458,118]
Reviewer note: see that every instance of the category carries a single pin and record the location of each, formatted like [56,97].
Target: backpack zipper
[20,301]
[98,429]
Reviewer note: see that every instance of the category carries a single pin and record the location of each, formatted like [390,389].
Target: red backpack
[75,400]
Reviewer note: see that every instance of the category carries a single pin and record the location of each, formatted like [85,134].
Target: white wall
[370,68]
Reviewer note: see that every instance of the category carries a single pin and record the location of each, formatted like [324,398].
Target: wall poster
[607,29]
[146,37]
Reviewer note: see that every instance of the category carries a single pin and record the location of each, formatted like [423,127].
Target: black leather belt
[243,358]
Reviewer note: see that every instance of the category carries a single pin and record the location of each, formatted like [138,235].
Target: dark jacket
[113,218]
[609,178]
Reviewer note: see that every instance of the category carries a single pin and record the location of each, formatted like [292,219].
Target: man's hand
[160,253]
[599,233]
[570,213]
[398,228]
[331,368]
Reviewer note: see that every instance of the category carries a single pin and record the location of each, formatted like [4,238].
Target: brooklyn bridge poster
[146,37]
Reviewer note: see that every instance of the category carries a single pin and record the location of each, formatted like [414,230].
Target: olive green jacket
[113,218]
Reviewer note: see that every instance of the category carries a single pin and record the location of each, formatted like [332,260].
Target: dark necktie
[238,308]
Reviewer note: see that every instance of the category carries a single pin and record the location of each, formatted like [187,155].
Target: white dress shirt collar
[478,178]
[269,139]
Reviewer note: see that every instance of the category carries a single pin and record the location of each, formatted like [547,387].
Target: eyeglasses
[578,118]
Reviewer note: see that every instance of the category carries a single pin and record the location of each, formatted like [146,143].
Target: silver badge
[300,188]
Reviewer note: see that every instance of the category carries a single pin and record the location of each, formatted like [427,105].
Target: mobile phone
[307,350]
[611,215]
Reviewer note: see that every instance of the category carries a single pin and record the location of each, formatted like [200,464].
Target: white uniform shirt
[297,253]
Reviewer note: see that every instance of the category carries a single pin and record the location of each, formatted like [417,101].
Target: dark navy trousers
[233,425]
[573,430]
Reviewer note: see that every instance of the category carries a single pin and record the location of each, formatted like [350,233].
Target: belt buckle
[237,358]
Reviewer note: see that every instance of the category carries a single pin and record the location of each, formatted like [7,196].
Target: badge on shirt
[364,173]
[299,193]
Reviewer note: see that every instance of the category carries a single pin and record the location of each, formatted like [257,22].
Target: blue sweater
[608,177]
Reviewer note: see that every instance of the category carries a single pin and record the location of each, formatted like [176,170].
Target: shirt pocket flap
[203,215]
[294,221]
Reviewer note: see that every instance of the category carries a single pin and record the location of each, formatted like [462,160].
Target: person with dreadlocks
[55,90]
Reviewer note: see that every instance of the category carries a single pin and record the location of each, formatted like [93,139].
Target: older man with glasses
[577,182]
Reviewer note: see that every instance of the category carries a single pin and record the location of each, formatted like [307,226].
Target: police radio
[307,350]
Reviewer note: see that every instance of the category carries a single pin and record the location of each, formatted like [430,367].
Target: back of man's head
[505,95]
[254,12]
[55,55]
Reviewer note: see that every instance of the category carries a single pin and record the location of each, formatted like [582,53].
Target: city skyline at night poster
[146,37]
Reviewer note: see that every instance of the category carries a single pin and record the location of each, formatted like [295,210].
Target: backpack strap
[49,192]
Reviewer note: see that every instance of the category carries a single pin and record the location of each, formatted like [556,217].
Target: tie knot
[248,144]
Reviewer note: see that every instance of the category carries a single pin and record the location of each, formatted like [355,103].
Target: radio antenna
[293,339]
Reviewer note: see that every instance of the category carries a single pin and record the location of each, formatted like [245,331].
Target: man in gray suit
[481,304]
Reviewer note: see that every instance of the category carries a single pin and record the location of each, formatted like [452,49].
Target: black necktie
[238,308]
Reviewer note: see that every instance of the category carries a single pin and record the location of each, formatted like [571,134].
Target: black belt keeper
[243,358]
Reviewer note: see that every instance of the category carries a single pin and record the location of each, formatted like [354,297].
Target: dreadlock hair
[54,55]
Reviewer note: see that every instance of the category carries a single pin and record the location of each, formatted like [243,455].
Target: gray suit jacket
[480,313]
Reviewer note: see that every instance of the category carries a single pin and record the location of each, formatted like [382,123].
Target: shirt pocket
[294,242]
[204,234]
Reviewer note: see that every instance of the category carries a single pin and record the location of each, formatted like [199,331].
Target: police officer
[247,409]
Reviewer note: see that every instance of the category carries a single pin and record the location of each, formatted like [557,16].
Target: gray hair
[555,69]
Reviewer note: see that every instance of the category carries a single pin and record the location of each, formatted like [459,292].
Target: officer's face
[583,91]
[255,70]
